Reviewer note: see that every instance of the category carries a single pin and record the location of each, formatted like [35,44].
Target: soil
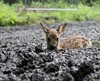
[24,57]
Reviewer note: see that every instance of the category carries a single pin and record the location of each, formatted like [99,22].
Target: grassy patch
[96,44]
[9,15]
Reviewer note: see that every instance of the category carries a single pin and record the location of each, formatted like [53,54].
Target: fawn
[55,42]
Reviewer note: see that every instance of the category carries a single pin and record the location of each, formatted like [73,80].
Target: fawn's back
[55,42]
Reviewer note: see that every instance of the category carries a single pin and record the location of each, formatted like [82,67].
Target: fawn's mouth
[52,47]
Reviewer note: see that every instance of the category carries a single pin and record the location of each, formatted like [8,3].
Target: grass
[96,44]
[9,15]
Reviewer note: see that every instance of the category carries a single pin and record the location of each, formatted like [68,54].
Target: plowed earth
[23,55]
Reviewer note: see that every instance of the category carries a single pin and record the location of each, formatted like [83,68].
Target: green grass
[9,15]
[96,44]
[59,4]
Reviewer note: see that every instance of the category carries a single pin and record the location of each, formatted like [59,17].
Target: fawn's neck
[60,44]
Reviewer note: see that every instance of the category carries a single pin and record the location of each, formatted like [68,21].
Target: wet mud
[24,57]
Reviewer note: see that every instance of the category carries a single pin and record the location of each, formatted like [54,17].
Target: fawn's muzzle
[52,47]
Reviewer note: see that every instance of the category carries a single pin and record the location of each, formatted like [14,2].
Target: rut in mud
[23,55]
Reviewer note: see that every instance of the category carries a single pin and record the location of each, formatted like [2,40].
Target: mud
[24,57]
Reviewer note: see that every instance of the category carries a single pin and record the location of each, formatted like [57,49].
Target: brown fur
[53,39]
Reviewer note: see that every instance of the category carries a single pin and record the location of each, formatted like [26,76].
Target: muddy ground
[23,55]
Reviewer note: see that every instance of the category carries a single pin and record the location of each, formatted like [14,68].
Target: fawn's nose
[52,47]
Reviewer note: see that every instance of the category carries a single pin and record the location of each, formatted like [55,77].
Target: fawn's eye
[57,39]
[49,39]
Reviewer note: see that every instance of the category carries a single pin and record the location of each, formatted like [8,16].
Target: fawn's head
[53,35]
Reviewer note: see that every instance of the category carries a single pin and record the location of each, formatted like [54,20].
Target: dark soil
[23,55]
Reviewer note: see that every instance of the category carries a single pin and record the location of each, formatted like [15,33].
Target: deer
[54,40]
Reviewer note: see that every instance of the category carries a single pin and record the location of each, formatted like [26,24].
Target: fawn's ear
[45,29]
[61,28]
